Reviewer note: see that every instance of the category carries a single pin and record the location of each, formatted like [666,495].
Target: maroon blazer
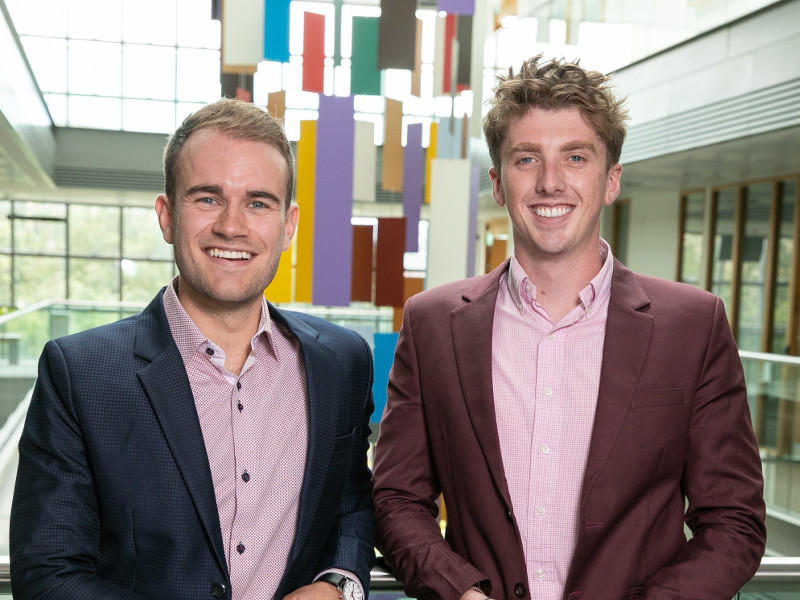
[672,443]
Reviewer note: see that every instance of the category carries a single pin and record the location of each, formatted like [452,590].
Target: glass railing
[773,386]
[776,579]
[773,392]
[23,333]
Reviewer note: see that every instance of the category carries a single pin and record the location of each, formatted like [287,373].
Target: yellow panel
[304,238]
[429,156]
[280,290]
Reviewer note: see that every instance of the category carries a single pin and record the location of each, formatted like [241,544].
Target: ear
[290,226]
[497,187]
[613,182]
[164,212]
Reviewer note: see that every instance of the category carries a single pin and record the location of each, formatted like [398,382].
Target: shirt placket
[544,459]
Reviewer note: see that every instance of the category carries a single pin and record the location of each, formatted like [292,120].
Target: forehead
[540,126]
[216,156]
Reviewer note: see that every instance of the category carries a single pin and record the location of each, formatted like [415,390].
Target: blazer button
[509,516]
[519,590]
[218,590]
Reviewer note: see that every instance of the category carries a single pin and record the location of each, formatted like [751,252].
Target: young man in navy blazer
[574,415]
[212,446]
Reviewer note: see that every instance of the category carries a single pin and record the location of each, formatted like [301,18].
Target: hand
[320,590]
[474,595]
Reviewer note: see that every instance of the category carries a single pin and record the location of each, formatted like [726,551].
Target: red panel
[243,94]
[313,52]
[389,267]
[361,282]
[449,34]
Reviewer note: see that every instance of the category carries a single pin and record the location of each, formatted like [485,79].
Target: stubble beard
[213,299]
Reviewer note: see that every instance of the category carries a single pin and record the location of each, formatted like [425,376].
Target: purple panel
[333,202]
[472,220]
[456,7]
[413,165]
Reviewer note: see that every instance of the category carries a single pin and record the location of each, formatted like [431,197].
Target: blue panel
[383,356]
[276,30]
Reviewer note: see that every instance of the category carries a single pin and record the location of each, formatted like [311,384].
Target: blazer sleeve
[722,482]
[351,543]
[54,526]
[406,488]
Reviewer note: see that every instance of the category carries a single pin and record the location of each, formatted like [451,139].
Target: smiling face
[229,223]
[554,183]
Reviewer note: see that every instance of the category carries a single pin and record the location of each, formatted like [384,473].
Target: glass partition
[773,387]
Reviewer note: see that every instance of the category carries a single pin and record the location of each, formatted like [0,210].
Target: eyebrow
[578,145]
[524,147]
[204,189]
[568,147]
[217,190]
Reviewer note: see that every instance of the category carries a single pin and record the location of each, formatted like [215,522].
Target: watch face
[351,591]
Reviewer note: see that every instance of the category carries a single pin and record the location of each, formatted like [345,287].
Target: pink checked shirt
[255,428]
[545,377]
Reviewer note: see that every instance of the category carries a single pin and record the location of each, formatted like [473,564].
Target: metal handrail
[783,572]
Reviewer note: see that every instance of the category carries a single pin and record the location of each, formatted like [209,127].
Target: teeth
[546,211]
[233,255]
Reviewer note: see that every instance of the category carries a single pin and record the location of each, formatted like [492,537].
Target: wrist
[348,589]
[474,593]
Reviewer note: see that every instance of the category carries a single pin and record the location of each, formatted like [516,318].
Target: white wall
[653,233]
[738,80]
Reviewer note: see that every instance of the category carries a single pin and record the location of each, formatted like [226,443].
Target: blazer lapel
[627,337]
[472,345]
[322,388]
[167,387]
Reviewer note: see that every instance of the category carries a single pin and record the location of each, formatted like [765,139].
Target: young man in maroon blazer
[574,415]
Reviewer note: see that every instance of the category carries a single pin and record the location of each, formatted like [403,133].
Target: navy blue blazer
[114,497]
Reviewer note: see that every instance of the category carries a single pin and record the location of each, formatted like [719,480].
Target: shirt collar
[522,288]
[188,336]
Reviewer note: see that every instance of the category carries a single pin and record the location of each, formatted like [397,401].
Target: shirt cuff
[347,574]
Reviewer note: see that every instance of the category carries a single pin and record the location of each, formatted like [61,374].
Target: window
[136,65]
[691,247]
[751,256]
[80,252]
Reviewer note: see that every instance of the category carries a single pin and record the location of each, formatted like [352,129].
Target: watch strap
[335,579]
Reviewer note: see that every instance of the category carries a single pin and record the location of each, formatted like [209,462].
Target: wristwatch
[348,589]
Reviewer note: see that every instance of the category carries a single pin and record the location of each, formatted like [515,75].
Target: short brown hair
[554,85]
[237,118]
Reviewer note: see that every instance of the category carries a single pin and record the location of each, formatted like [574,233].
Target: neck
[559,281]
[230,327]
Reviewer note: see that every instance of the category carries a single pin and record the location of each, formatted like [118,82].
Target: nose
[231,222]
[549,179]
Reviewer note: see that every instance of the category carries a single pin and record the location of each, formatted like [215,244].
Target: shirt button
[520,590]
[245,476]
[545,450]
[210,351]
[238,385]
[539,573]
[528,287]
[240,407]
[550,336]
[240,548]
[548,391]
[540,511]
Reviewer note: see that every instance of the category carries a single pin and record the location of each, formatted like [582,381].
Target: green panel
[365,78]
